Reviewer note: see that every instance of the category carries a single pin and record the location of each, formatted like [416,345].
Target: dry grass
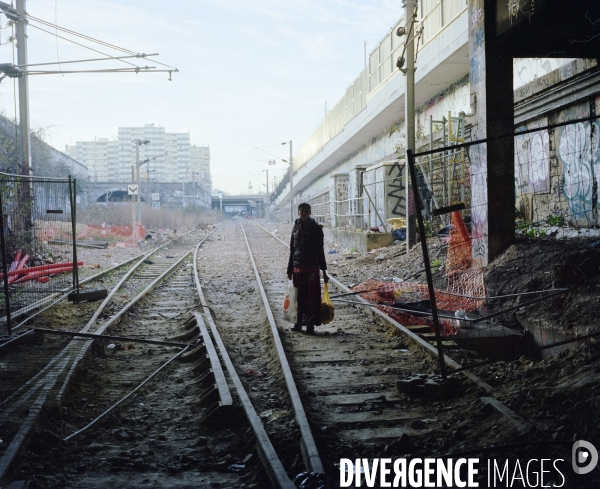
[120,215]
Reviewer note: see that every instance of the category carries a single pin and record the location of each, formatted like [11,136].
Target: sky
[251,73]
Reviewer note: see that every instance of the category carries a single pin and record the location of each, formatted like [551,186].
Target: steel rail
[517,421]
[122,400]
[406,332]
[48,381]
[95,316]
[59,332]
[66,292]
[271,461]
[310,454]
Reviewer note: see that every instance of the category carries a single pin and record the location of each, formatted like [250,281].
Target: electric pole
[291,183]
[409,107]
[24,136]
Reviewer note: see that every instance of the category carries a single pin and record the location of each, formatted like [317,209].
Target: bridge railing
[436,15]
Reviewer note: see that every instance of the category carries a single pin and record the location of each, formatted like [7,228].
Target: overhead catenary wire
[140,69]
[77,43]
[83,36]
[110,58]
[78,34]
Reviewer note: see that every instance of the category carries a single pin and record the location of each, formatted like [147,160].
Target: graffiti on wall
[479,203]
[532,160]
[580,158]
[397,190]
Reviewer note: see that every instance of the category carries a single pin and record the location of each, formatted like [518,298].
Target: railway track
[152,300]
[307,400]
[396,424]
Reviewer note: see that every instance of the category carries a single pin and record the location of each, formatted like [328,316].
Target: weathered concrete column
[492,164]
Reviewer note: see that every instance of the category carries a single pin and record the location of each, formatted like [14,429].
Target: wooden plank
[374,435]
[369,417]
[419,328]
[338,386]
[350,399]
[514,418]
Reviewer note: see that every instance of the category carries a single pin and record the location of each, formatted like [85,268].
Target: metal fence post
[418,210]
[73,202]
[4,263]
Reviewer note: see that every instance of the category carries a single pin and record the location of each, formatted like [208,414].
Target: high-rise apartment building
[200,164]
[172,159]
[100,156]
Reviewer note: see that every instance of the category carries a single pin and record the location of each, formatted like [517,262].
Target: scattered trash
[169,256]
[311,480]
[332,252]
[445,231]
[148,262]
[595,245]
[399,234]
[374,229]
[237,468]
[253,373]
[111,346]
[396,279]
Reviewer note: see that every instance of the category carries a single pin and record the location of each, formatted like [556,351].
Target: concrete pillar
[492,164]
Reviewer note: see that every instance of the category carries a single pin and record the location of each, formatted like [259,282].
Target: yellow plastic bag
[326,306]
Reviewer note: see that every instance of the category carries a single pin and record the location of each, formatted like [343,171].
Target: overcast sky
[252,73]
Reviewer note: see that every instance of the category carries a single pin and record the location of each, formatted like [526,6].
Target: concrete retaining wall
[363,242]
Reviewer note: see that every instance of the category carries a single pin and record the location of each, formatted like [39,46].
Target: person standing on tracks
[306,259]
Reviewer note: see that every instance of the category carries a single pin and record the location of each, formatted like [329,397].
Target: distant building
[172,159]
[100,156]
[200,164]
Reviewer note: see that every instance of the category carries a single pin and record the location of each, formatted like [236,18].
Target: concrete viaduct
[464,91]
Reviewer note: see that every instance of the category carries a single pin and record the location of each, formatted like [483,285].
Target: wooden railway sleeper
[194,354]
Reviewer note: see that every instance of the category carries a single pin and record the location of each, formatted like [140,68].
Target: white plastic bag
[290,303]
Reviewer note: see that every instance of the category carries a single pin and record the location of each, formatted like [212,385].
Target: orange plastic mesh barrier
[465,286]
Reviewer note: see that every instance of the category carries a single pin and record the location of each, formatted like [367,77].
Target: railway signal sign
[156,196]
[156,205]
[132,189]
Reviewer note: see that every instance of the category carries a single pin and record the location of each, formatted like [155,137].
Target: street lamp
[291,181]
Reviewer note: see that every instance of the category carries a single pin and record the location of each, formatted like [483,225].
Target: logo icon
[584,457]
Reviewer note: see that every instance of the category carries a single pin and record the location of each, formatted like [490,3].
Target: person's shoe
[296,327]
[310,330]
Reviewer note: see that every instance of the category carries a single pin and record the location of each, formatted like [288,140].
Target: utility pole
[133,220]
[291,183]
[194,190]
[409,108]
[138,143]
[24,136]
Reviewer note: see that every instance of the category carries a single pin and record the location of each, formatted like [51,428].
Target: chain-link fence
[37,240]
[541,291]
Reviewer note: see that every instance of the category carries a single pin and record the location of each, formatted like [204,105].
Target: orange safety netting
[464,291]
